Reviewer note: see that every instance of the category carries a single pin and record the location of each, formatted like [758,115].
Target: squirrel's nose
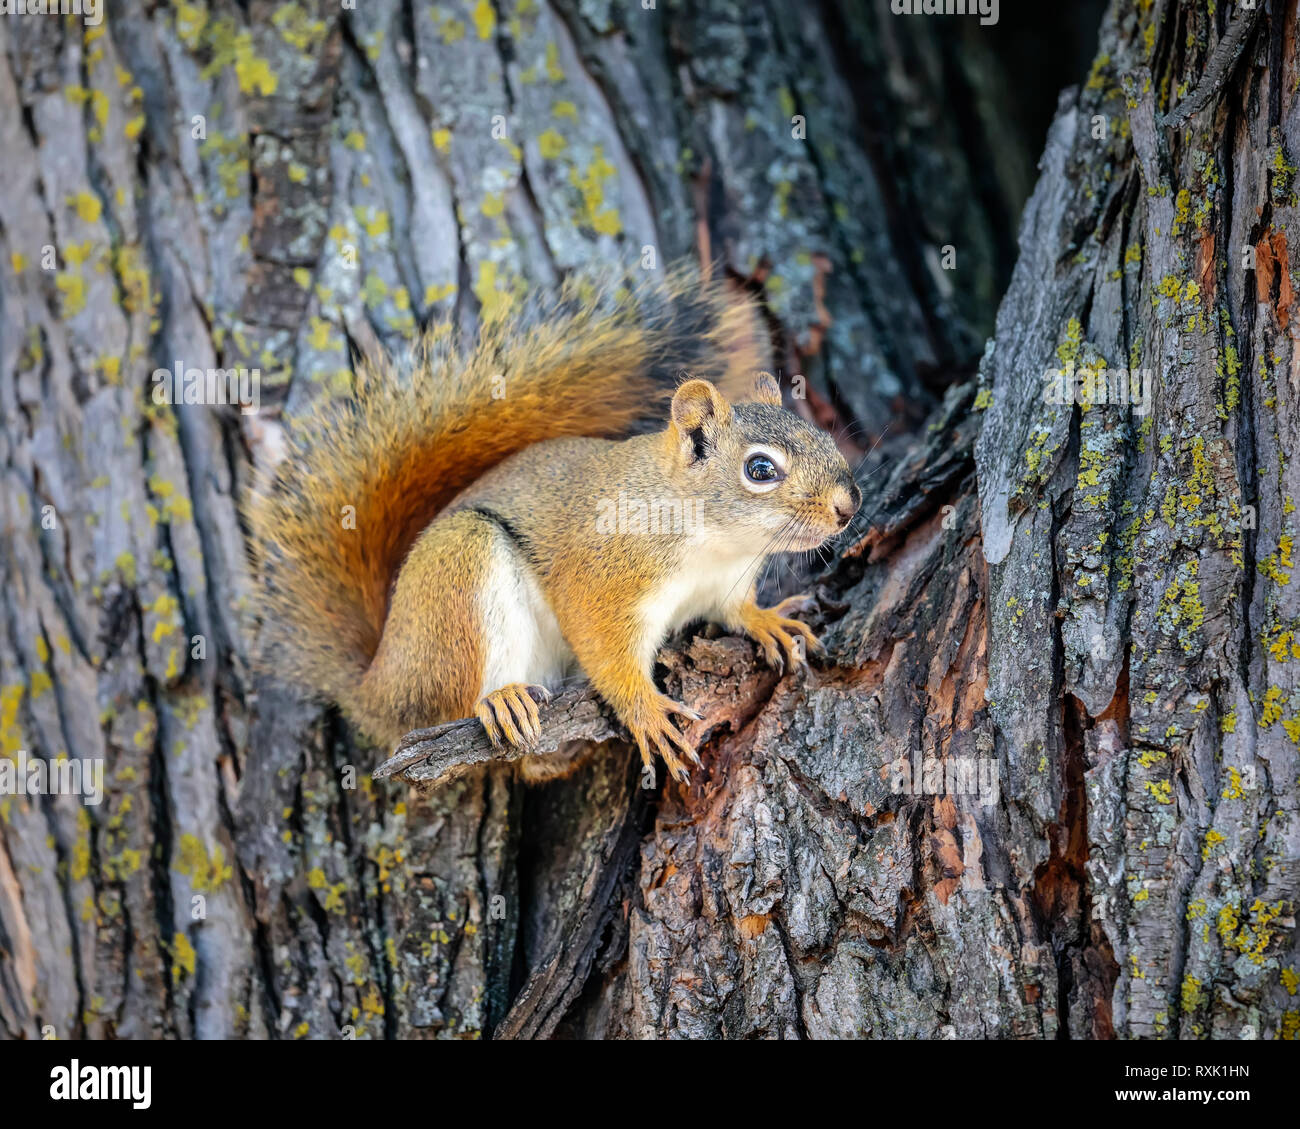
[845,504]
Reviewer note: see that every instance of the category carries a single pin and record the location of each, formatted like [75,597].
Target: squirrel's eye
[759,468]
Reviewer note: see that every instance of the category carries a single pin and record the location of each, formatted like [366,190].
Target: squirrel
[458,541]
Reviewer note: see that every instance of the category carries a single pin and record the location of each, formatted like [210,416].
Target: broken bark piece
[442,753]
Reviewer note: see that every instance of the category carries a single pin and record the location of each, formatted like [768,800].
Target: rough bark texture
[1126,662]
[1142,617]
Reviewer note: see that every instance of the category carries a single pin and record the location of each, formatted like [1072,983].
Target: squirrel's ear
[766,390]
[698,412]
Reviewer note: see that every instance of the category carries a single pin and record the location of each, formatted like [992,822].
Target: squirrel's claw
[782,640]
[511,713]
[655,735]
[678,708]
[525,711]
[802,602]
[799,603]
[486,714]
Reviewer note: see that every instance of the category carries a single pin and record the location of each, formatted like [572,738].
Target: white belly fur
[712,588]
[524,643]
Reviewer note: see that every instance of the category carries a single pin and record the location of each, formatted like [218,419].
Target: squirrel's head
[769,481]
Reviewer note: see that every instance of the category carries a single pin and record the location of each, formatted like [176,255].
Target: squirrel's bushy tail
[361,478]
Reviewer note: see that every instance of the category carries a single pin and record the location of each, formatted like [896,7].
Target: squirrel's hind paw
[655,733]
[511,714]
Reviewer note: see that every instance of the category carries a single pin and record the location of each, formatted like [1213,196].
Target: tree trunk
[1081,611]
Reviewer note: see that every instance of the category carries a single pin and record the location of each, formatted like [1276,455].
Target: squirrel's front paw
[779,636]
[510,712]
[652,729]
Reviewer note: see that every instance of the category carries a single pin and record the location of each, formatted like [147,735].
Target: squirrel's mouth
[815,539]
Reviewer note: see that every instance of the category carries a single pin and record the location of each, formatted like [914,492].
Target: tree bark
[1089,601]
